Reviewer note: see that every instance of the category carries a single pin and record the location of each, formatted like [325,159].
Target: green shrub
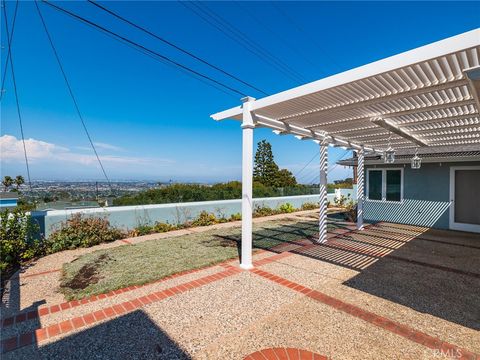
[82,232]
[309,206]
[260,211]
[17,239]
[236,217]
[143,229]
[205,219]
[286,208]
[160,227]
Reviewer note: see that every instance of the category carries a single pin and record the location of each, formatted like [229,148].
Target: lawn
[105,270]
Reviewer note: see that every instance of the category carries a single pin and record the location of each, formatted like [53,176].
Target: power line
[177,64]
[302,30]
[2,89]
[175,46]
[292,48]
[7,33]
[308,163]
[57,57]
[333,166]
[240,38]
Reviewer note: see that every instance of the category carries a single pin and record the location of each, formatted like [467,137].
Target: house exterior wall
[426,196]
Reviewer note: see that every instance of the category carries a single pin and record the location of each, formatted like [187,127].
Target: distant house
[8,200]
[443,193]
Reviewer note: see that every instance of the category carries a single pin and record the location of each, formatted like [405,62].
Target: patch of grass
[110,269]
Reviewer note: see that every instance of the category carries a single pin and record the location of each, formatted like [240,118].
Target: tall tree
[265,169]
[285,178]
[19,181]
[7,182]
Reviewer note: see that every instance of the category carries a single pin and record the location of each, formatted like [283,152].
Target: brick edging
[75,323]
[284,353]
[370,317]
[46,310]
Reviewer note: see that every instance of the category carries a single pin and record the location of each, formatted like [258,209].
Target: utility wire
[156,58]
[174,46]
[292,48]
[67,82]
[7,33]
[240,38]
[184,67]
[333,166]
[2,89]
[308,163]
[302,30]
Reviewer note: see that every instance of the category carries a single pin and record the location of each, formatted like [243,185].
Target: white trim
[452,224]
[440,48]
[384,184]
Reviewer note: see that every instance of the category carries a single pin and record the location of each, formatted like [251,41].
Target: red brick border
[45,310]
[67,326]
[284,354]
[370,317]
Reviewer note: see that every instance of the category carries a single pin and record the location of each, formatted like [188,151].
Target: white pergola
[424,97]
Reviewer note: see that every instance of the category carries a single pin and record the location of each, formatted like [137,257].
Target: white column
[322,222]
[247,183]
[360,186]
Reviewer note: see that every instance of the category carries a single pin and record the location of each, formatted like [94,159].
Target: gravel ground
[387,289]
[100,304]
[307,324]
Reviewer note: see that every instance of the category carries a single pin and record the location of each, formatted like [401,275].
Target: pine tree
[265,169]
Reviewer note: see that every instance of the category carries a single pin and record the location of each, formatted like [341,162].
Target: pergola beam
[392,114]
[436,120]
[402,133]
[427,89]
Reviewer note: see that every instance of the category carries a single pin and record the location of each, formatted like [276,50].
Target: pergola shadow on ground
[430,271]
[131,336]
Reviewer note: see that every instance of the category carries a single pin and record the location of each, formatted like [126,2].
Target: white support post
[360,187]
[322,222]
[247,184]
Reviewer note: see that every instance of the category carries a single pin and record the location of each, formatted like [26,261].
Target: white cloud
[106,146]
[11,150]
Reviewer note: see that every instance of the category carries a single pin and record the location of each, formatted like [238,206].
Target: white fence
[129,217]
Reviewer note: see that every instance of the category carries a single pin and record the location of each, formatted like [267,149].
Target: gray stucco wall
[426,196]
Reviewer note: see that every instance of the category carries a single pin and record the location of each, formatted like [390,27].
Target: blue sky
[151,121]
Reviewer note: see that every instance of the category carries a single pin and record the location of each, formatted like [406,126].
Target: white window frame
[384,185]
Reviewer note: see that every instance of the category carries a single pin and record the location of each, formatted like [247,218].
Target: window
[375,185]
[385,184]
[393,187]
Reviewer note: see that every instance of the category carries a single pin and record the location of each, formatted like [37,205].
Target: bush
[260,211]
[286,208]
[160,227]
[205,219]
[309,206]
[17,239]
[351,211]
[236,217]
[82,232]
[143,229]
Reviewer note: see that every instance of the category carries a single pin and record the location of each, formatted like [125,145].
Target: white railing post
[247,184]
[360,186]
[322,221]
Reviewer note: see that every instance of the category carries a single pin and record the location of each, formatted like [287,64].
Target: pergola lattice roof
[428,96]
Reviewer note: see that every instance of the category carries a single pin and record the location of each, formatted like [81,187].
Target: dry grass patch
[111,269]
